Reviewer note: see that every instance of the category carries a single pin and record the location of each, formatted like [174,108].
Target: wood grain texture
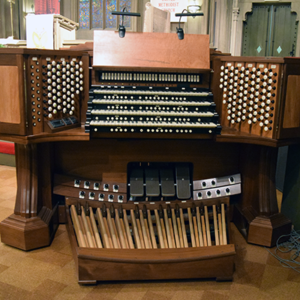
[210,263]
[285,88]
[12,89]
[26,162]
[9,96]
[151,264]
[291,112]
[151,50]
[22,85]
[35,217]
[94,159]
[257,206]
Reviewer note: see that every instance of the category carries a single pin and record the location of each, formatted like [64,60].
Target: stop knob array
[64,81]
[249,95]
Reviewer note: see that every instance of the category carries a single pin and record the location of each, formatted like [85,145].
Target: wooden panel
[292,108]
[150,264]
[216,266]
[151,50]
[290,68]
[9,96]
[291,190]
[98,157]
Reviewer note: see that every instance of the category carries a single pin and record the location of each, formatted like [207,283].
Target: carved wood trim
[27,190]
[267,189]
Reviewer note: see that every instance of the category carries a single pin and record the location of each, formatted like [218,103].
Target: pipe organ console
[141,148]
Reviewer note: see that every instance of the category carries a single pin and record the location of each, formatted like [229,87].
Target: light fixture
[123,13]
[185,13]
[194,6]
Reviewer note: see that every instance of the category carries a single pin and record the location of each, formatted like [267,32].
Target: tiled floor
[49,273]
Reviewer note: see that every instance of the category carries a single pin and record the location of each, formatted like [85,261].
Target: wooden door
[270,30]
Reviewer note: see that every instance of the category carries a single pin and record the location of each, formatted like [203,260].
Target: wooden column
[256,214]
[34,220]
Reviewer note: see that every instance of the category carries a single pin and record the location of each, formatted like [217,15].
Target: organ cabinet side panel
[45,90]
[257,96]
[42,92]
[13,112]
[289,126]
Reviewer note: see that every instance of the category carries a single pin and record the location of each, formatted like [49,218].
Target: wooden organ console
[147,152]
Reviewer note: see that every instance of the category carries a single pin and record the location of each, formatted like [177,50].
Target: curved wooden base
[261,230]
[102,264]
[217,264]
[155,264]
[35,217]
[29,233]
[256,213]
[266,231]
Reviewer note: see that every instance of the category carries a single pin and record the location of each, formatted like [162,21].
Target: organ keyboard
[151,109]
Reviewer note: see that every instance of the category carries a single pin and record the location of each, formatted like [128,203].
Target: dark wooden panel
[93,159]
[291,190]
[291,113]
[289,99]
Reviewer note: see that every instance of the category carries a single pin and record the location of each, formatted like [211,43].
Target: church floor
[49,273]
